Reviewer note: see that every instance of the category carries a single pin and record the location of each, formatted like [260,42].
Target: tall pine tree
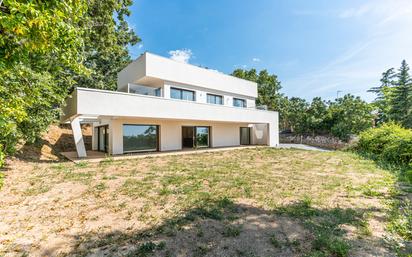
[384,95]
[401,110]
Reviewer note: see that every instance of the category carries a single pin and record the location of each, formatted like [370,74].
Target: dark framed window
[237,102]
[214,99]
[137,138]
[182,94]
[103,138]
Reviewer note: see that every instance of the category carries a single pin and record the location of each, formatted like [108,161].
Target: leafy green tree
[49,47]
[316,116]
[296,115]
[348,116]
[384,92]
[401,109]
[268,87]
[39,42]
[106,39]
[268,91]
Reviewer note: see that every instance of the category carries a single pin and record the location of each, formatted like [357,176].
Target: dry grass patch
[248,202]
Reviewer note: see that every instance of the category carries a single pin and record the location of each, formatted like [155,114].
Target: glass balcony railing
[144,90]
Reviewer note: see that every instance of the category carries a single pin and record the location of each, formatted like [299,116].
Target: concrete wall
[95,103]
[221,134]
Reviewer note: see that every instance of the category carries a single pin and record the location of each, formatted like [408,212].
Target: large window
[214,99]
[144,90]
[239,102]
[140,138]
[183,94]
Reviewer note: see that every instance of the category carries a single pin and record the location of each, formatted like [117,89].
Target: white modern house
[164,105]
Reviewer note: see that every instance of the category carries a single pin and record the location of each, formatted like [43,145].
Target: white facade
[147,92]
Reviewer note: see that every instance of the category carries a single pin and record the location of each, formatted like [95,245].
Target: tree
[268,87]
[401,110]
[348,116]
[384,93]
[296,115]
[316,116]
[107,37]
[49,47]
[39,42]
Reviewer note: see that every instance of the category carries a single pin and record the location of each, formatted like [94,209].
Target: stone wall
[327,142]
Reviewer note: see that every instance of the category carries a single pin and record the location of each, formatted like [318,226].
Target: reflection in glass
[214,99]
[202,137]
[139,138]
[182,94]
[239,102]
[103,138]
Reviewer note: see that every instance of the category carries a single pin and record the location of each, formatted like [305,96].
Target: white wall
[222,134]
[154,66]
[226,134]
[117,106]
[132,73]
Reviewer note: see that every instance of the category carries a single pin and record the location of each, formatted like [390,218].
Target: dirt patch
[249,202]
[58,138]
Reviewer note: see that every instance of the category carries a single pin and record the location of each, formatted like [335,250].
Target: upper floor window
[239,102]
[144,90]
[214,99]
[183,94]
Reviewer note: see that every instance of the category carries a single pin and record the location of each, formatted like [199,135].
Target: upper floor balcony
[156,71]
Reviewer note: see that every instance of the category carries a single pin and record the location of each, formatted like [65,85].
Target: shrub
[390,143]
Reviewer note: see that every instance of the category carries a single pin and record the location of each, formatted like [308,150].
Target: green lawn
[248,202]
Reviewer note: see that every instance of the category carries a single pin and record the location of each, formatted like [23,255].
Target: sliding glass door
[202,136]
[195,137]
[138,138]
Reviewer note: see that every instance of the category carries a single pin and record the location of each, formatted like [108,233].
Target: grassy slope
[251,202]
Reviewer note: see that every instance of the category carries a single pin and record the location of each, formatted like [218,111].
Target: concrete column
[78,137]
[273,132]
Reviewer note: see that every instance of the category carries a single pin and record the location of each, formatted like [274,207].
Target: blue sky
[315,47]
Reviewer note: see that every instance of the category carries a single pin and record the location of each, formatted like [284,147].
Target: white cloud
[182,55]
[386,41]
[140,46]
[255,59]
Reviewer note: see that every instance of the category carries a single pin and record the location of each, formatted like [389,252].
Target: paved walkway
[303,147]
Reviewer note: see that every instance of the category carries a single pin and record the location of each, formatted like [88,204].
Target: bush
[390,143]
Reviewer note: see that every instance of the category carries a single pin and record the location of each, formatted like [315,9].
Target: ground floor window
[138,138]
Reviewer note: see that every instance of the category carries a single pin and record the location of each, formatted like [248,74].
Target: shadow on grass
[224,228]
[400,204]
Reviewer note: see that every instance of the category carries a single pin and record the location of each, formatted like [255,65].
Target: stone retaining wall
[327,142]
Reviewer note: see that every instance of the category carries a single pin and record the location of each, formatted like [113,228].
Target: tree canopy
[47,48]
[342,118]
[394,96]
